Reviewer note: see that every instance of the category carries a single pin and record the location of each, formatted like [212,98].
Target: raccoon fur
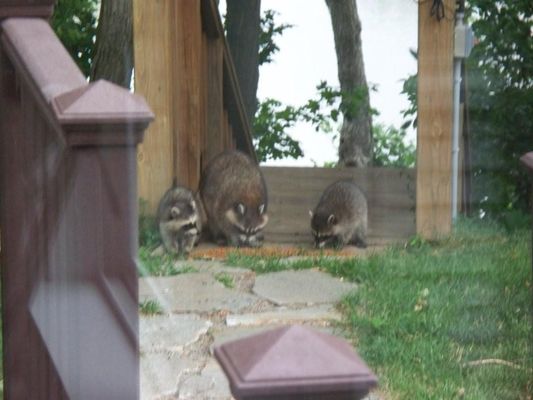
[234,197]
[340,217]
[179,219]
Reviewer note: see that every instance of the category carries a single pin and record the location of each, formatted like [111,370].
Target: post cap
[294,361]
[92,113]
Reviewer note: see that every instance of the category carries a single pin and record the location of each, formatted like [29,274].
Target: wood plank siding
[293,192]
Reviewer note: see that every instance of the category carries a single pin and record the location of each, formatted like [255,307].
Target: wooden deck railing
[69,221]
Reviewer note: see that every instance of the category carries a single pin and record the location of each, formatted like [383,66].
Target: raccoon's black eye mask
[189,226]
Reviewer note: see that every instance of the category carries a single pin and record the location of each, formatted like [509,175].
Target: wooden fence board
[294,191]
[215,116]
[189,111]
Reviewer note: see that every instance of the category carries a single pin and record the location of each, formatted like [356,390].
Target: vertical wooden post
[435,91]
[189,104]
[169,74]
[154,80]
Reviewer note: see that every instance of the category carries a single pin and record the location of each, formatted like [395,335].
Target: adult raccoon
[234,196]
[340,216]
[179,219]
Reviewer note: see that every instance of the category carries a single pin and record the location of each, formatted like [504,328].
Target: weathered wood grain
[294,191]
[153,81]
[189,111]
[435,90]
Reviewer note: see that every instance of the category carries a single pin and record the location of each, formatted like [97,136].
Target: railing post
[68,215]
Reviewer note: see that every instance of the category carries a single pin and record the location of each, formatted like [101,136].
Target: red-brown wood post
[68,216]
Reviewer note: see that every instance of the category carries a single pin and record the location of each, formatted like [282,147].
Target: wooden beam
[189,108]
[435,91]
[153,80]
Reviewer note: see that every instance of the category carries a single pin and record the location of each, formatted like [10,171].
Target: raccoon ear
[310,214]
[261,209]
[332,220]
[175,212]
[241,209]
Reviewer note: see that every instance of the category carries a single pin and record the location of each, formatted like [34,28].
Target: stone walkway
[200,311]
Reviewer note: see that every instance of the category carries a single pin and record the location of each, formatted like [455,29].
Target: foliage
[150,307]
[74,22]
[148,230]
[269,30]
[391,148]
[409,88]
[424,313]
[273,119]
[501,102]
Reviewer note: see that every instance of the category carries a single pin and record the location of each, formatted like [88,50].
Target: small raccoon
[234,196]
[179,220]
[340,216]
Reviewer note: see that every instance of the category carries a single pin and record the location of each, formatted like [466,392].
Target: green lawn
[444,320]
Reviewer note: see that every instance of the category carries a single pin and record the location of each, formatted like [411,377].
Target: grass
[439,320]
[225,279]
[150,307]
[159,265]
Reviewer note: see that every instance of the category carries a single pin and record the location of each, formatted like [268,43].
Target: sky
[307,56]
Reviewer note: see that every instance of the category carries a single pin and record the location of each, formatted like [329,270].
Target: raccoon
[340,217]
[179,219]
[234,196]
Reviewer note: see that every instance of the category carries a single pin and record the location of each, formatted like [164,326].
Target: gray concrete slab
[194,292]
[301,287]
[320,313]
[160,374]
[210,384]
[170,333]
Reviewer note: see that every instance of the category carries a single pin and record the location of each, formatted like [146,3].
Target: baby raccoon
[340,216]
[179,220]
[234,195]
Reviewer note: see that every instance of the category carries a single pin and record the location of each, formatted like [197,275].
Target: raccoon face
[324,229]
[248,222]
[183,215]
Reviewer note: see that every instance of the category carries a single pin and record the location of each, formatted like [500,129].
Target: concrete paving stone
[210,384]
[322,313]
[171,333]
[213,266]
[160,374]
[194,292]
[243,278]
[301,287]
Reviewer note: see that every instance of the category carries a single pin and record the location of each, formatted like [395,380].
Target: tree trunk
[113,58]
[355,147]
[243,26]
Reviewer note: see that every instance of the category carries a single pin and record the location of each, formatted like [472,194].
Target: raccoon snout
[320,244]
